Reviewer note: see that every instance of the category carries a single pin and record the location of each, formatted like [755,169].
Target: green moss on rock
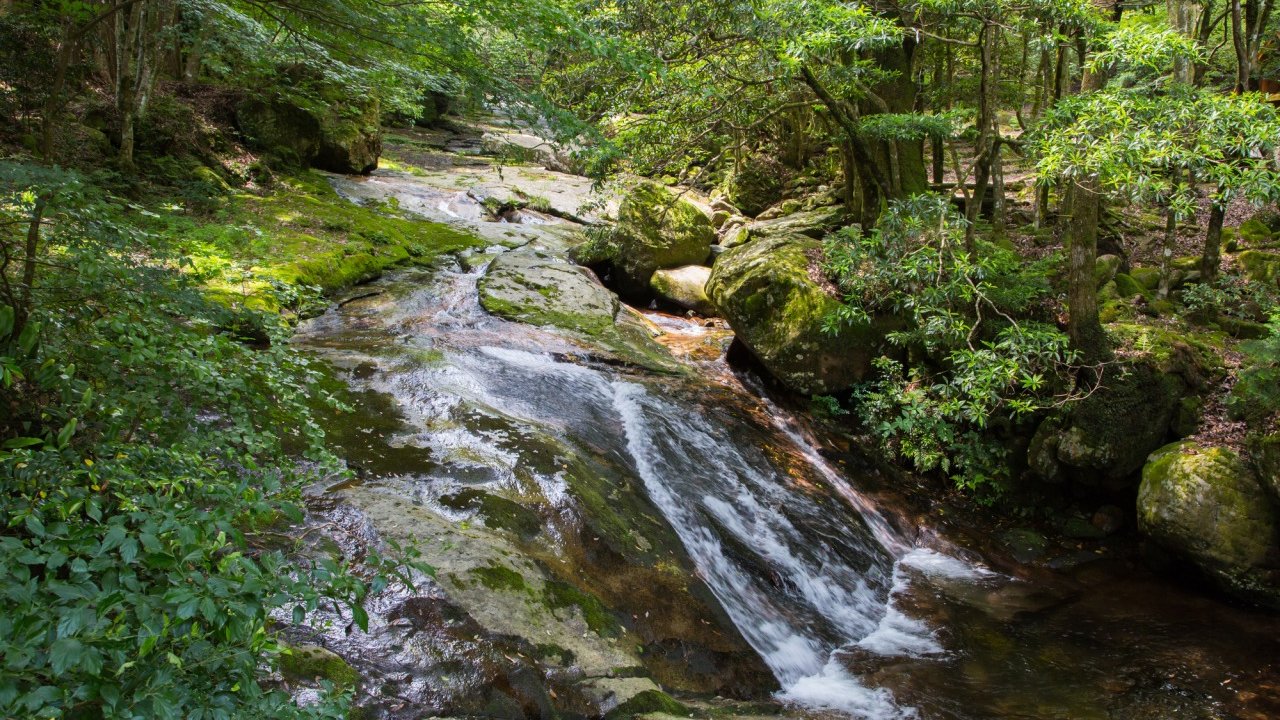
[649,701]
[1147,277]
[1127,286]
[497,512]
[768,292]
[497,577]
[686,287]
[1254,233]
[1105,269]
[542,288]
[309,663]
[1205,504]
[1261,267]
[597,616]
[657,230]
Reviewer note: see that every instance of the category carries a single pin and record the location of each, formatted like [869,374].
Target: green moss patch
[259,250]
[496,577]
[597,616]
[649,701]
[311,662]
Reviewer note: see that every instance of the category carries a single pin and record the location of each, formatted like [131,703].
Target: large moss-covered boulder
[756,183]
[657,230]
[1205,504]
[539,287]
[1261,267]
[1105,438]
[336,132]
[770,292]
[685,286]
[813,223]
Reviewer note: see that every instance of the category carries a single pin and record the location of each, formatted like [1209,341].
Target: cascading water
[850,613]
[800,580]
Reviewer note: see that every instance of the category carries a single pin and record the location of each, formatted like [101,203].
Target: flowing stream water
[853,610]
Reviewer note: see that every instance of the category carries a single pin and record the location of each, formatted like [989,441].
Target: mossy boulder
[812,223]
[756,183]
[539,287]
[686,287]
[1127,286]
[1261,267]
[1254,233]
[771,293]
[657,230]
[312,663]
[1105,268]
[331,130]
[1205,504]
[648,701]
[1105,438]
[1147,277]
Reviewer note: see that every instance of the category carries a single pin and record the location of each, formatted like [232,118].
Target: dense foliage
[149,455]
[974,366]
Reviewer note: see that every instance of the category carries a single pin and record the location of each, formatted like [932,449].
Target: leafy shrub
[979,366]
[1232,295]
[142,452]
[1256,394]
[756,183]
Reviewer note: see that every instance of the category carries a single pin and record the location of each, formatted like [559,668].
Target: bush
[142,455]
[1256,394]
[980,366]
[756,183]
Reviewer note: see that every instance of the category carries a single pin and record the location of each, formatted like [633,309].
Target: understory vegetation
[1020,245]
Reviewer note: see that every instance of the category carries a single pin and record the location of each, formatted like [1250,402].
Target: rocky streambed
[622,525]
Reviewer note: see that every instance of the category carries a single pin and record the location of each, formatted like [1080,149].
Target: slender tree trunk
[1084,201]
[52,112]
[988,49]
[1244,65]
[22,312]
[1166,252]
[998,219]
[1211,257]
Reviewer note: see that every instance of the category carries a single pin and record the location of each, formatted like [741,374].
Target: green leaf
[28,337]
[64,435]
[64,653]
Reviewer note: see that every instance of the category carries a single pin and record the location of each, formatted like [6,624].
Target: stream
[599,531]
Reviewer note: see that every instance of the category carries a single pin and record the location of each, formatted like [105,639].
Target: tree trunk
[1211,257]
[52,111]
[988,135]
[1244,67]
[997,189]
[23,311]
[900,162]
[1084,201]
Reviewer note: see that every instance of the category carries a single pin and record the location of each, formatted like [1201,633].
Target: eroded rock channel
[622,526]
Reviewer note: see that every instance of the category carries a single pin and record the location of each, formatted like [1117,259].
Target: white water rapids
[800,599]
